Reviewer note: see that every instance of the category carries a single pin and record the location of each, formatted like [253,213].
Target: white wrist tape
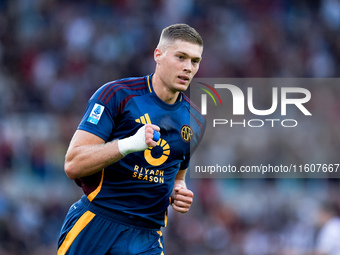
[133,143]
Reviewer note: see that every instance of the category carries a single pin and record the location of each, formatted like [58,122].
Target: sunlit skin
[176,65]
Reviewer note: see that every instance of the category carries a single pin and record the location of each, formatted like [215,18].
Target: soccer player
[128,174]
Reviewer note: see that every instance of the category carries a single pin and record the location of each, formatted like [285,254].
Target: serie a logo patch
[95,114]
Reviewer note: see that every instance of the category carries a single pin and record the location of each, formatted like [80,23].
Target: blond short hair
[182,32]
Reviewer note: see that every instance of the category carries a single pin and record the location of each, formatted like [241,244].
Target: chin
[181,87]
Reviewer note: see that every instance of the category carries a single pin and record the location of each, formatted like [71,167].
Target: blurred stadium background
[55,54]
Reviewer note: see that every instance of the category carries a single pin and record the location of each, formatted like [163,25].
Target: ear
[157,55]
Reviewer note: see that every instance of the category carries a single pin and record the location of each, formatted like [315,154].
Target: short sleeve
[99,118]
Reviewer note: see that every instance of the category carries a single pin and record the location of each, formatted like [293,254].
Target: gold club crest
[186,133]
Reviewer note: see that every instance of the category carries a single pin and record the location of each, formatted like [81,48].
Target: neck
[166,95]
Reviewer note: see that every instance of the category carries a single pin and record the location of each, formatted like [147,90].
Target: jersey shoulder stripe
[187,99]
[111,89]
[109,85]
[195,113]
[123,103]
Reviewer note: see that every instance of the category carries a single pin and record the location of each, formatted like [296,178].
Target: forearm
[86,160]
[180,182]
[88,153]
[180,178]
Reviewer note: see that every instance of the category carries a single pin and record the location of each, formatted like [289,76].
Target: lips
[184,78]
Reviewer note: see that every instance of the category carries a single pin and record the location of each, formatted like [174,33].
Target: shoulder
[121,89]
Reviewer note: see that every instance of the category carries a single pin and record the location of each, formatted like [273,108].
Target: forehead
[191,49]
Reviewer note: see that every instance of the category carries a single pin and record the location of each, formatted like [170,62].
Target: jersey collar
[159,101]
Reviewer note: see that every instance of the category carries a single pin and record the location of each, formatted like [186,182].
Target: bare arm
[182,197]
[88,153]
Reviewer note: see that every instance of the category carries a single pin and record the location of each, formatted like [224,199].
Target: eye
[195,61]
[180,57]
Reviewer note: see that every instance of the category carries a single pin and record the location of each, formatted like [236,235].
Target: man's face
[178,64]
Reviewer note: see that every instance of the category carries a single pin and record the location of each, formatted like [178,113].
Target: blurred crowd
[55,53]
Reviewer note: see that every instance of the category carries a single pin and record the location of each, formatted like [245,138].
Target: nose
[187,66]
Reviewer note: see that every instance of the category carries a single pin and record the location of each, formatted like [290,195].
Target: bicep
[87,154]
[82,137]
